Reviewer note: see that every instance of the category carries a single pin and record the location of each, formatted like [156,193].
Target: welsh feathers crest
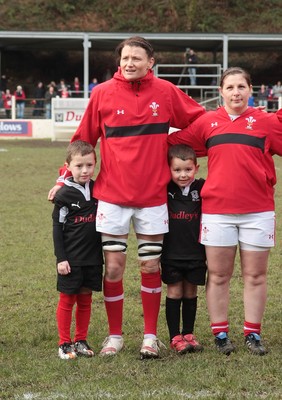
[250,121]
[154,106]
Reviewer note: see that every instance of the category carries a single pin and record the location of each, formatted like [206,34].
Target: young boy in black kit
[183,257]
[78,250]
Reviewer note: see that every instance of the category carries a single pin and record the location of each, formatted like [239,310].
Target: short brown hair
[183,152]
[135,41]
[79,147]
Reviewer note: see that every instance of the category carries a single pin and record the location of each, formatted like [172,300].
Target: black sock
[172,312]
[189,309]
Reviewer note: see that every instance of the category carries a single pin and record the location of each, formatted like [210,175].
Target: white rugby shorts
[253,229]
[115,220]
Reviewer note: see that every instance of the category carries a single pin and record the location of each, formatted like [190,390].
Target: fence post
[13,114]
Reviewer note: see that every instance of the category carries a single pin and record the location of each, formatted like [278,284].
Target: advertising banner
[10,128]
[66,115]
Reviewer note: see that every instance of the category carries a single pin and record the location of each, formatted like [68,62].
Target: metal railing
[207,78]
[207,82]
[179,72]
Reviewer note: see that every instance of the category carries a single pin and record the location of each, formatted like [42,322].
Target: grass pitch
[29,366]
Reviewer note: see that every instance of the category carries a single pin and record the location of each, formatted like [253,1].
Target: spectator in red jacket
[7,102]
[76,88]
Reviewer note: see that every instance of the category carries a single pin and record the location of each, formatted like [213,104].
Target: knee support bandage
[110,243]
[149,250]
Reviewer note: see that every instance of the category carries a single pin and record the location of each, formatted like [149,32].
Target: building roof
[218,43]
[176,42]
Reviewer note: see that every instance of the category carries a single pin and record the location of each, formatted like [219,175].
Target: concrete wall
[42,128]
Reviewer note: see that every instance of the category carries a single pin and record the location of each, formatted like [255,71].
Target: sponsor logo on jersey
[82,219]
[184,215]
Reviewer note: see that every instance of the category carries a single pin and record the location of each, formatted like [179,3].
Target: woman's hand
[53,192]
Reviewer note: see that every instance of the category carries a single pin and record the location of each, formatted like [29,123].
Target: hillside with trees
[237,16]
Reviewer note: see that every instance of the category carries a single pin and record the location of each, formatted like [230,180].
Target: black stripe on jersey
[236,138]
[136,130]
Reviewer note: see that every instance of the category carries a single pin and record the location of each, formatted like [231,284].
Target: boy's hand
[63,268]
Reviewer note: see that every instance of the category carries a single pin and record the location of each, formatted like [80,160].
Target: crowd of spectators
[39,98]
[268,96]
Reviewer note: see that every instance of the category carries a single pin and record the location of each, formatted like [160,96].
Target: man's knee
[149,266]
